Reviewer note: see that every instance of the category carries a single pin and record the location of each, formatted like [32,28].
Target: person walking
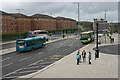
[78,58]
[84,55]
[89,57]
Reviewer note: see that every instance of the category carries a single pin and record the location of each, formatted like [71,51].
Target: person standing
[78,58]
[89,57]
[84,55]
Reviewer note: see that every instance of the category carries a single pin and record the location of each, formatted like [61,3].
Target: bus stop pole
[97,50]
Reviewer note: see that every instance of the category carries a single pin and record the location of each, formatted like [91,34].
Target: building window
[1,30]
[4,23]
[37,18]
[4,16]
[5,30]
[1,23]
[0,17]
[12,23]
[12,18]
[37,23]
[12,29]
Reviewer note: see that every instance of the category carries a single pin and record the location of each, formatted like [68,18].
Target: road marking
[50,49]
[7,65]
[25,58]
[28,71]
[70,44]
[12,72]
[12,77]
[6,58]
[34,63]
[46,63]
[31,67]
[40,53]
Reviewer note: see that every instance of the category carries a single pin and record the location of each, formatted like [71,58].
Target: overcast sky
[88,10]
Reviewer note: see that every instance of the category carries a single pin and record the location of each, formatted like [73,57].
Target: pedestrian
[89,57]
[78,58]
[84,55]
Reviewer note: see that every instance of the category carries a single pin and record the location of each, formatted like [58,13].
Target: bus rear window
[21,42]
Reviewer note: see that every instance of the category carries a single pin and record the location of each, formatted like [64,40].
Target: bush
[8,37]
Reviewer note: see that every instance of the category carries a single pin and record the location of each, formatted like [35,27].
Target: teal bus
[30,43]
[87,37]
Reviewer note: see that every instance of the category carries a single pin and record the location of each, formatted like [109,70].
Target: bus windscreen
[85,36]
[21,42]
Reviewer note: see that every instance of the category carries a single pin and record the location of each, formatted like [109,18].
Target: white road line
[50,49]
[70,44]
[7,58]
[27,71]
[31,67]
[46,63]
[12,72]
[44,66]
[34,63]
[25,58]
[40,53]
[12,77]
[7,65]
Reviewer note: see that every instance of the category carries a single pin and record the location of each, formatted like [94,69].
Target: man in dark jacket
[84,55]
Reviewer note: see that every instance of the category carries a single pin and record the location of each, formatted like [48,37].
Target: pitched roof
[42,16]
[63,18]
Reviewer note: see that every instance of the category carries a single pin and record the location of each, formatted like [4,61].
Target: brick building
[43,22]
[12,23]
[65,23]
[102,25]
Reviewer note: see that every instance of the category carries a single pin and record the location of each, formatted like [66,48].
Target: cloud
[88,10]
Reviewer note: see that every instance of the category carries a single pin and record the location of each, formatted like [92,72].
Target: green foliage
[115,29]
[111,31]
[7,37]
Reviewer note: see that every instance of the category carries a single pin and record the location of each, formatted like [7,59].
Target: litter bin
[63,35]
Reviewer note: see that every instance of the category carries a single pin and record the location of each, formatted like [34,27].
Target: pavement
[106,66]
[13,49]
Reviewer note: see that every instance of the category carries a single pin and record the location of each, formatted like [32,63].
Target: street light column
[78,21]
[97,50]
[19,22]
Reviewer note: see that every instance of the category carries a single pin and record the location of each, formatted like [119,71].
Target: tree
[115,29]
[111,31]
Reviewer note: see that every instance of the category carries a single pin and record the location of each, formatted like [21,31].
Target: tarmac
[9,50]
[106,66]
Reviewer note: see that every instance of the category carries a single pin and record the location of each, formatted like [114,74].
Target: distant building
[102,25]
[65,23]
[43,22]
[12,23]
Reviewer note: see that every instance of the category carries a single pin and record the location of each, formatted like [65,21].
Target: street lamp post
[78,15]
[78,20]
[97,50]
[19,22]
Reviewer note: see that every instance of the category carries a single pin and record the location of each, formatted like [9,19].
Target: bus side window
[27,44]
